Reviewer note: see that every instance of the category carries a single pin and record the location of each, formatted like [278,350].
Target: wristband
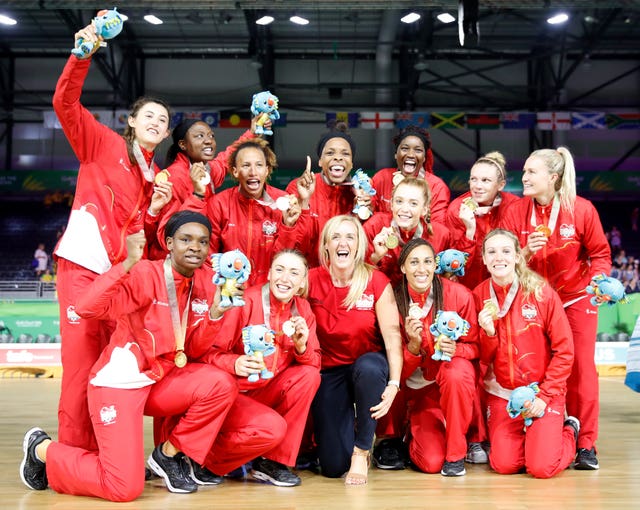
[394,382]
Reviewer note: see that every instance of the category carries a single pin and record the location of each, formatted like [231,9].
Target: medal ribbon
[266,306]
[481,210]
[508,301]
[179,326]
[426,308]
[417,234]
[553,217]
[147,170]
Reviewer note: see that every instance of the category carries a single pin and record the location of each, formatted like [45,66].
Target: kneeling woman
[439,394]
[268,419]
[166,314]
[528,339]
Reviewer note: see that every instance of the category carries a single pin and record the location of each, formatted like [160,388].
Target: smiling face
[199,144]
[287,276]
[188,247]
[150,125]
[408,205]
[500,256]
[537,182]
[342,246]
[419,267]
[336,160]
[251,171]
[410,156]
[484,183]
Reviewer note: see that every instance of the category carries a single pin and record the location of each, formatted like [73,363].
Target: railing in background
[24,289]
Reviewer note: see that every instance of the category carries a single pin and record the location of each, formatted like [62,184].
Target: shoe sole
[193,476]
[25,447]
[462,473]
[586,467]
[259,475]
[155,467]
[389,467]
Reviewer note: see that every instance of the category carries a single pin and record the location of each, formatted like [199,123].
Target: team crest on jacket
[567,231]
[199,306]
[269,228]
[365,302]
[72,316]
[108,415]
[529,312]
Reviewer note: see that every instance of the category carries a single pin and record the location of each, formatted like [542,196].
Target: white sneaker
[476,454]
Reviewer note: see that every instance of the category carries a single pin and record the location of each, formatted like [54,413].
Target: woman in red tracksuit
[414,158]
[248,217]
[387,232]
[525,338]
[115,196]
[166,314]
[480,210]
[562,240]
[438,396]
[329,192]
[295,364]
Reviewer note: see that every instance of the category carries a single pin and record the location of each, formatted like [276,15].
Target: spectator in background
[615,239]
[47,277]
[620,259]
[43,260]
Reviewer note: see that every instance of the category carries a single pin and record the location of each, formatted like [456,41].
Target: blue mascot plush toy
[447,325]
[520,401]
[361,181]
[231,268]
[606,289]
[108,24]
[451,262]
[258,342]
[266,104]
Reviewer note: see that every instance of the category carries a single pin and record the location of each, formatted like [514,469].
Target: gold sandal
[358,478]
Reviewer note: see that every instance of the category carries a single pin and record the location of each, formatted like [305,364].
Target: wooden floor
[29,402]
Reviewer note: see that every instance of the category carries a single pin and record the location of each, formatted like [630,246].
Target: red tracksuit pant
[202,394]
[544,449]
[82,342]
[582,385]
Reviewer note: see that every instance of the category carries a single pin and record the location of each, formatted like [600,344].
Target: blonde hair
[362,271]
[497,160]
[530,281]
[560,161]
[423,186]
[304,289]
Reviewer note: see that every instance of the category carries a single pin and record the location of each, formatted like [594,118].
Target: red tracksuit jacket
[533,343]
[577,249]
[112,196]
[228,343]
[475,271]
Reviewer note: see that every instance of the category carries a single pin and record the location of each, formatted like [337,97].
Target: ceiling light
[412,17]
[265,20]
[299,20]
[557,19]
[123,17]
[590,19]
[445,17]
[154,20]
[6,20]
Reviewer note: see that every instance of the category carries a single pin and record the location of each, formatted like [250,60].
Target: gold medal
[180,359]
[544,229]
[392,241]
[490,305]
[205,180]
[161,177]
[397,178]
[415,311]
[470,203]
[288,328]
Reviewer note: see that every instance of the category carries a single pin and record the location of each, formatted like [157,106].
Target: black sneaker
[149,475]
[33,471]
[200,474]
[574,423]
[390,454]
[586,460]
[308,460]
[274,472]
[455,468]
[174,471]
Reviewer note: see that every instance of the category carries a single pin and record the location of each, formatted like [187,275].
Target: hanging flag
[623,120]
[176,118]
[351,119]
[483,120]
[232,119]
[588,120]
[50,121]
[518,120]
[554,121]
[447,120]
[210,118]
[104,117]
[419,119]
[121,119]
[282,121]
[376,120]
